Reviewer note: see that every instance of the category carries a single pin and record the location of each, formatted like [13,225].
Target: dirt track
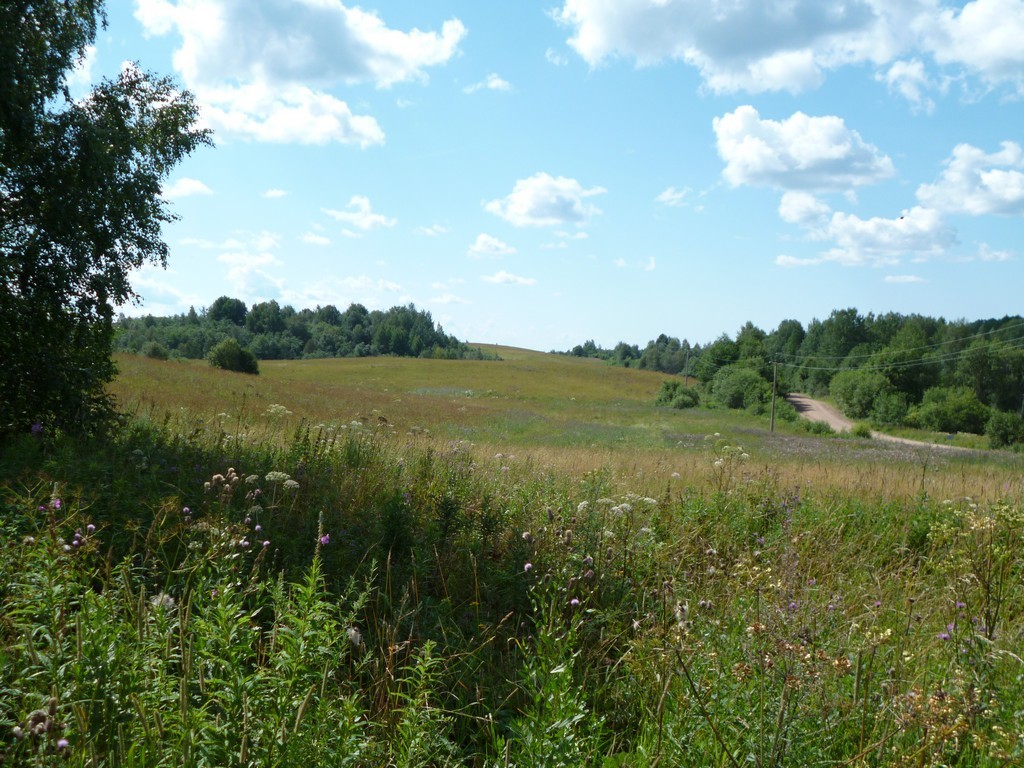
[816,410]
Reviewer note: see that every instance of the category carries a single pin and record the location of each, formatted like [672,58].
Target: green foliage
[676,394]
[155,350]
[273,332]
[230,356]
[950,409]
[81,207]
[1004,429]
[856,391]
[737,386]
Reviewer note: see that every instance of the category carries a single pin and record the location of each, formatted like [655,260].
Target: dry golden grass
[561,414]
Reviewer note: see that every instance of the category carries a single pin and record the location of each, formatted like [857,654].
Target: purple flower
[56,503]
[792,605]
[63,744]
[574,603]
[266,544]
[528,567]
[943,636]
[37,428]
[258,528]
[186,511]
[90,528]
[960,604]
[325,539]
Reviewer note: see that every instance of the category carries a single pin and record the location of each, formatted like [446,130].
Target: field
[389,561]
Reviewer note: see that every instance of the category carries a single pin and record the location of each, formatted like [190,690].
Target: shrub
[230,356]
[1004,429]
[736,386]
[857,391]
[155,350]
[950,409]
[890,408]
[677,395]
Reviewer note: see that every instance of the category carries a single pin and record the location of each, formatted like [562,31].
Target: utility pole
[775,383]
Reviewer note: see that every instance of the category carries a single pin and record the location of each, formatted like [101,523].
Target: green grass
[510,576]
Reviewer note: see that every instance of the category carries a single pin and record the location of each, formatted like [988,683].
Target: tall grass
[259,590]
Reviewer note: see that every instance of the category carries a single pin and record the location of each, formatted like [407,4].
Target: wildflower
[277,477]
[588,561]
[574,603]
[325,539]
[291,485]
[266,544]
[528,537]
[943,636]
[354,637]
[62,744]
[90,528]
[162,601]
[244,544]
[792,605]
[37,428]
[186,511]
[527,567]
[56,503]
[258,528]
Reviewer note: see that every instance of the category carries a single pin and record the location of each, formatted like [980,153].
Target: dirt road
[816,410]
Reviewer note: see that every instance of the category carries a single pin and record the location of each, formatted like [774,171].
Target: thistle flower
[574,603]
[528,567]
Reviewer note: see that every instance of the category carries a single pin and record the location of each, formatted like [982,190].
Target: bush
[676,394]
[890,408]
[950,409]
[736,386]
[230,356]
[1004,429]
[155,350]
[857,391]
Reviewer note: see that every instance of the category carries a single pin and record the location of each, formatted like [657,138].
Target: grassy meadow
[521,562]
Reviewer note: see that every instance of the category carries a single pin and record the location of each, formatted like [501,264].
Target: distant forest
[888,370]
[272,332]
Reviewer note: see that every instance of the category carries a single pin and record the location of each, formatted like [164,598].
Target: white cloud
[909,79]
[433,230]
[918,234]
[448,298]
[263,70]
[620,263]
[800,152]
[743,44]
[491,83]
[543,201]
[185,187]
[488,245]
[983,37]
[987,253]
[554,57]
[804,209]
[903,279]
[651,265]
[272,194]
[343,291]
[757,46]
[673,198]
[361,215]
[79,78]
[978,183]
[507,278]
[314,239]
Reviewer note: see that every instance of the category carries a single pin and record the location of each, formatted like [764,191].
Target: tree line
[274,332]
[887,369]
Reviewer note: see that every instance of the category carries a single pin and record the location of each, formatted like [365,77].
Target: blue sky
[542,173]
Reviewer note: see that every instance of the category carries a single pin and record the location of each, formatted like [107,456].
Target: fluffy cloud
[800,152]
[978,183]
[983,37]
[673,198]
[488,245]
[918,233]
[361,215]
[902,279]
[491,83]
[741,45]
[314,239]
[757,46]
[909,79]
[543,201]
[271,194]
[263,69]
[507,278]
[185,187]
